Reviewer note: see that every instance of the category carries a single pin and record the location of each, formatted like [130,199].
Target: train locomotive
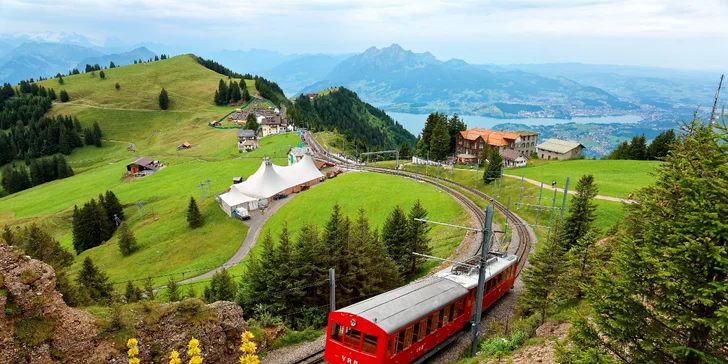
[405,324]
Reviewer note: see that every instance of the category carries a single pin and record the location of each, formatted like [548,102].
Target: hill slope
[190,86]
[344,110]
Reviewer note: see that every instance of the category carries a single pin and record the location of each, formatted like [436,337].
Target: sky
[678,34]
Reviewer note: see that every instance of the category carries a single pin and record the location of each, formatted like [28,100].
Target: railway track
[315,358]
[521,231]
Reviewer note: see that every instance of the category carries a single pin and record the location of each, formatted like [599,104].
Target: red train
[402,325]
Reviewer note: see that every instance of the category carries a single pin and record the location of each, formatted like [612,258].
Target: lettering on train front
[349,360]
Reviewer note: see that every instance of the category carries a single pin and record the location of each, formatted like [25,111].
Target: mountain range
[396,79]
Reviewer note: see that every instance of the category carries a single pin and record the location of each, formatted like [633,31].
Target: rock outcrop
[36,326]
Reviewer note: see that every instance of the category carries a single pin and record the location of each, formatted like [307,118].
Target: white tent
[233,199]
[271,179]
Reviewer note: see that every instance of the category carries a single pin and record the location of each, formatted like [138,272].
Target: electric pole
[715,103]
[485,248]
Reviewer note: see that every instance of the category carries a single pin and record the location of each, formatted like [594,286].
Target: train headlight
[353,323]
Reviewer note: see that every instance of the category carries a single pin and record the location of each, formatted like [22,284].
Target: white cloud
[332,24]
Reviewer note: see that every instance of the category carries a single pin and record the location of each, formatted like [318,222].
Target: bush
[296,337]
[28,276]
[495,345]
[189,307]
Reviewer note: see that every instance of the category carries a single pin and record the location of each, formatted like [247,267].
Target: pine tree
[222,286]
[394,236]
[440,140]
[660,146]
[222,93]
[101,222]
[94,282]
[251,122]
[194,217]
[163,100]
[495,167]
[309,265]
[191,293]
[404,150]
[60,80]
[454,126]
[132,293]
[97,134]
[52,94]
[663,297]
[149,288]
[113,207]
[127,241]
[173,290]
[112,65]
[417,235]
[102,75]
[63,143]
[638,148]
[582,211]
[117,86]
[541,277]
[245,95]
[64,96]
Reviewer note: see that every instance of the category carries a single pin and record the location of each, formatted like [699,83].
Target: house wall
[526,144]
[548,155]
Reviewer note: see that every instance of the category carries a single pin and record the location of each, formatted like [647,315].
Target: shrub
[35,330]
[495,345]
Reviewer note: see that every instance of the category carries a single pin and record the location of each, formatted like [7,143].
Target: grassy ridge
[614,177]
[190,85]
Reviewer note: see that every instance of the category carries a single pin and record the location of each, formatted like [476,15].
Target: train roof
[400,307]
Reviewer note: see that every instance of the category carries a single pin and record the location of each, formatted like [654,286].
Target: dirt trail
[571,192]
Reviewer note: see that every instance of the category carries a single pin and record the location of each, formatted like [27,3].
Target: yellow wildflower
[174,358]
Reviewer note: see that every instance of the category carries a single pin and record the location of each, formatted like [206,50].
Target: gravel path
[256,222]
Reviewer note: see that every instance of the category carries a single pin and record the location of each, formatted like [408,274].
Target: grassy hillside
[377,194]
[615,177]
[167,245]
[190,85]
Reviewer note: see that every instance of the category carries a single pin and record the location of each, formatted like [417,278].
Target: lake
[415,122]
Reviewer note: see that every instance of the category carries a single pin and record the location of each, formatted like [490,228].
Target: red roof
[492,137]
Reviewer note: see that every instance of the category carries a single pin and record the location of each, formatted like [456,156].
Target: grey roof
[299,152]
[400,307]
[558,146]
[246,133]
[509,154]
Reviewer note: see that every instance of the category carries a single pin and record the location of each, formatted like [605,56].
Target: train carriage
[402,325]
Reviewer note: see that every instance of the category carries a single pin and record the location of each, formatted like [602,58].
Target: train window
[428,326]
[433,322]
[400,341]
[352,338]
[337,332]
[423,330]
[453,312]
[445,315]
[440,318]
[390,346]
[370,344]
[408,337]
[416,332]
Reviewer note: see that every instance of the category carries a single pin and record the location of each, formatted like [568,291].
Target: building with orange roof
[469,143]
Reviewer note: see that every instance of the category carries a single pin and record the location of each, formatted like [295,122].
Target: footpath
[547,186]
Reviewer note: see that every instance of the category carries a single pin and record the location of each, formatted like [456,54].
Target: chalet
[248,145]
[512,158]
[272,125]
[245,134]
[469,143]
[185,145]
[142,166]
[559,149]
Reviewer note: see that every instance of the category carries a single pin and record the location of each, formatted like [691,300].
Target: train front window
[352,338]
[337,332]
[370,344]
